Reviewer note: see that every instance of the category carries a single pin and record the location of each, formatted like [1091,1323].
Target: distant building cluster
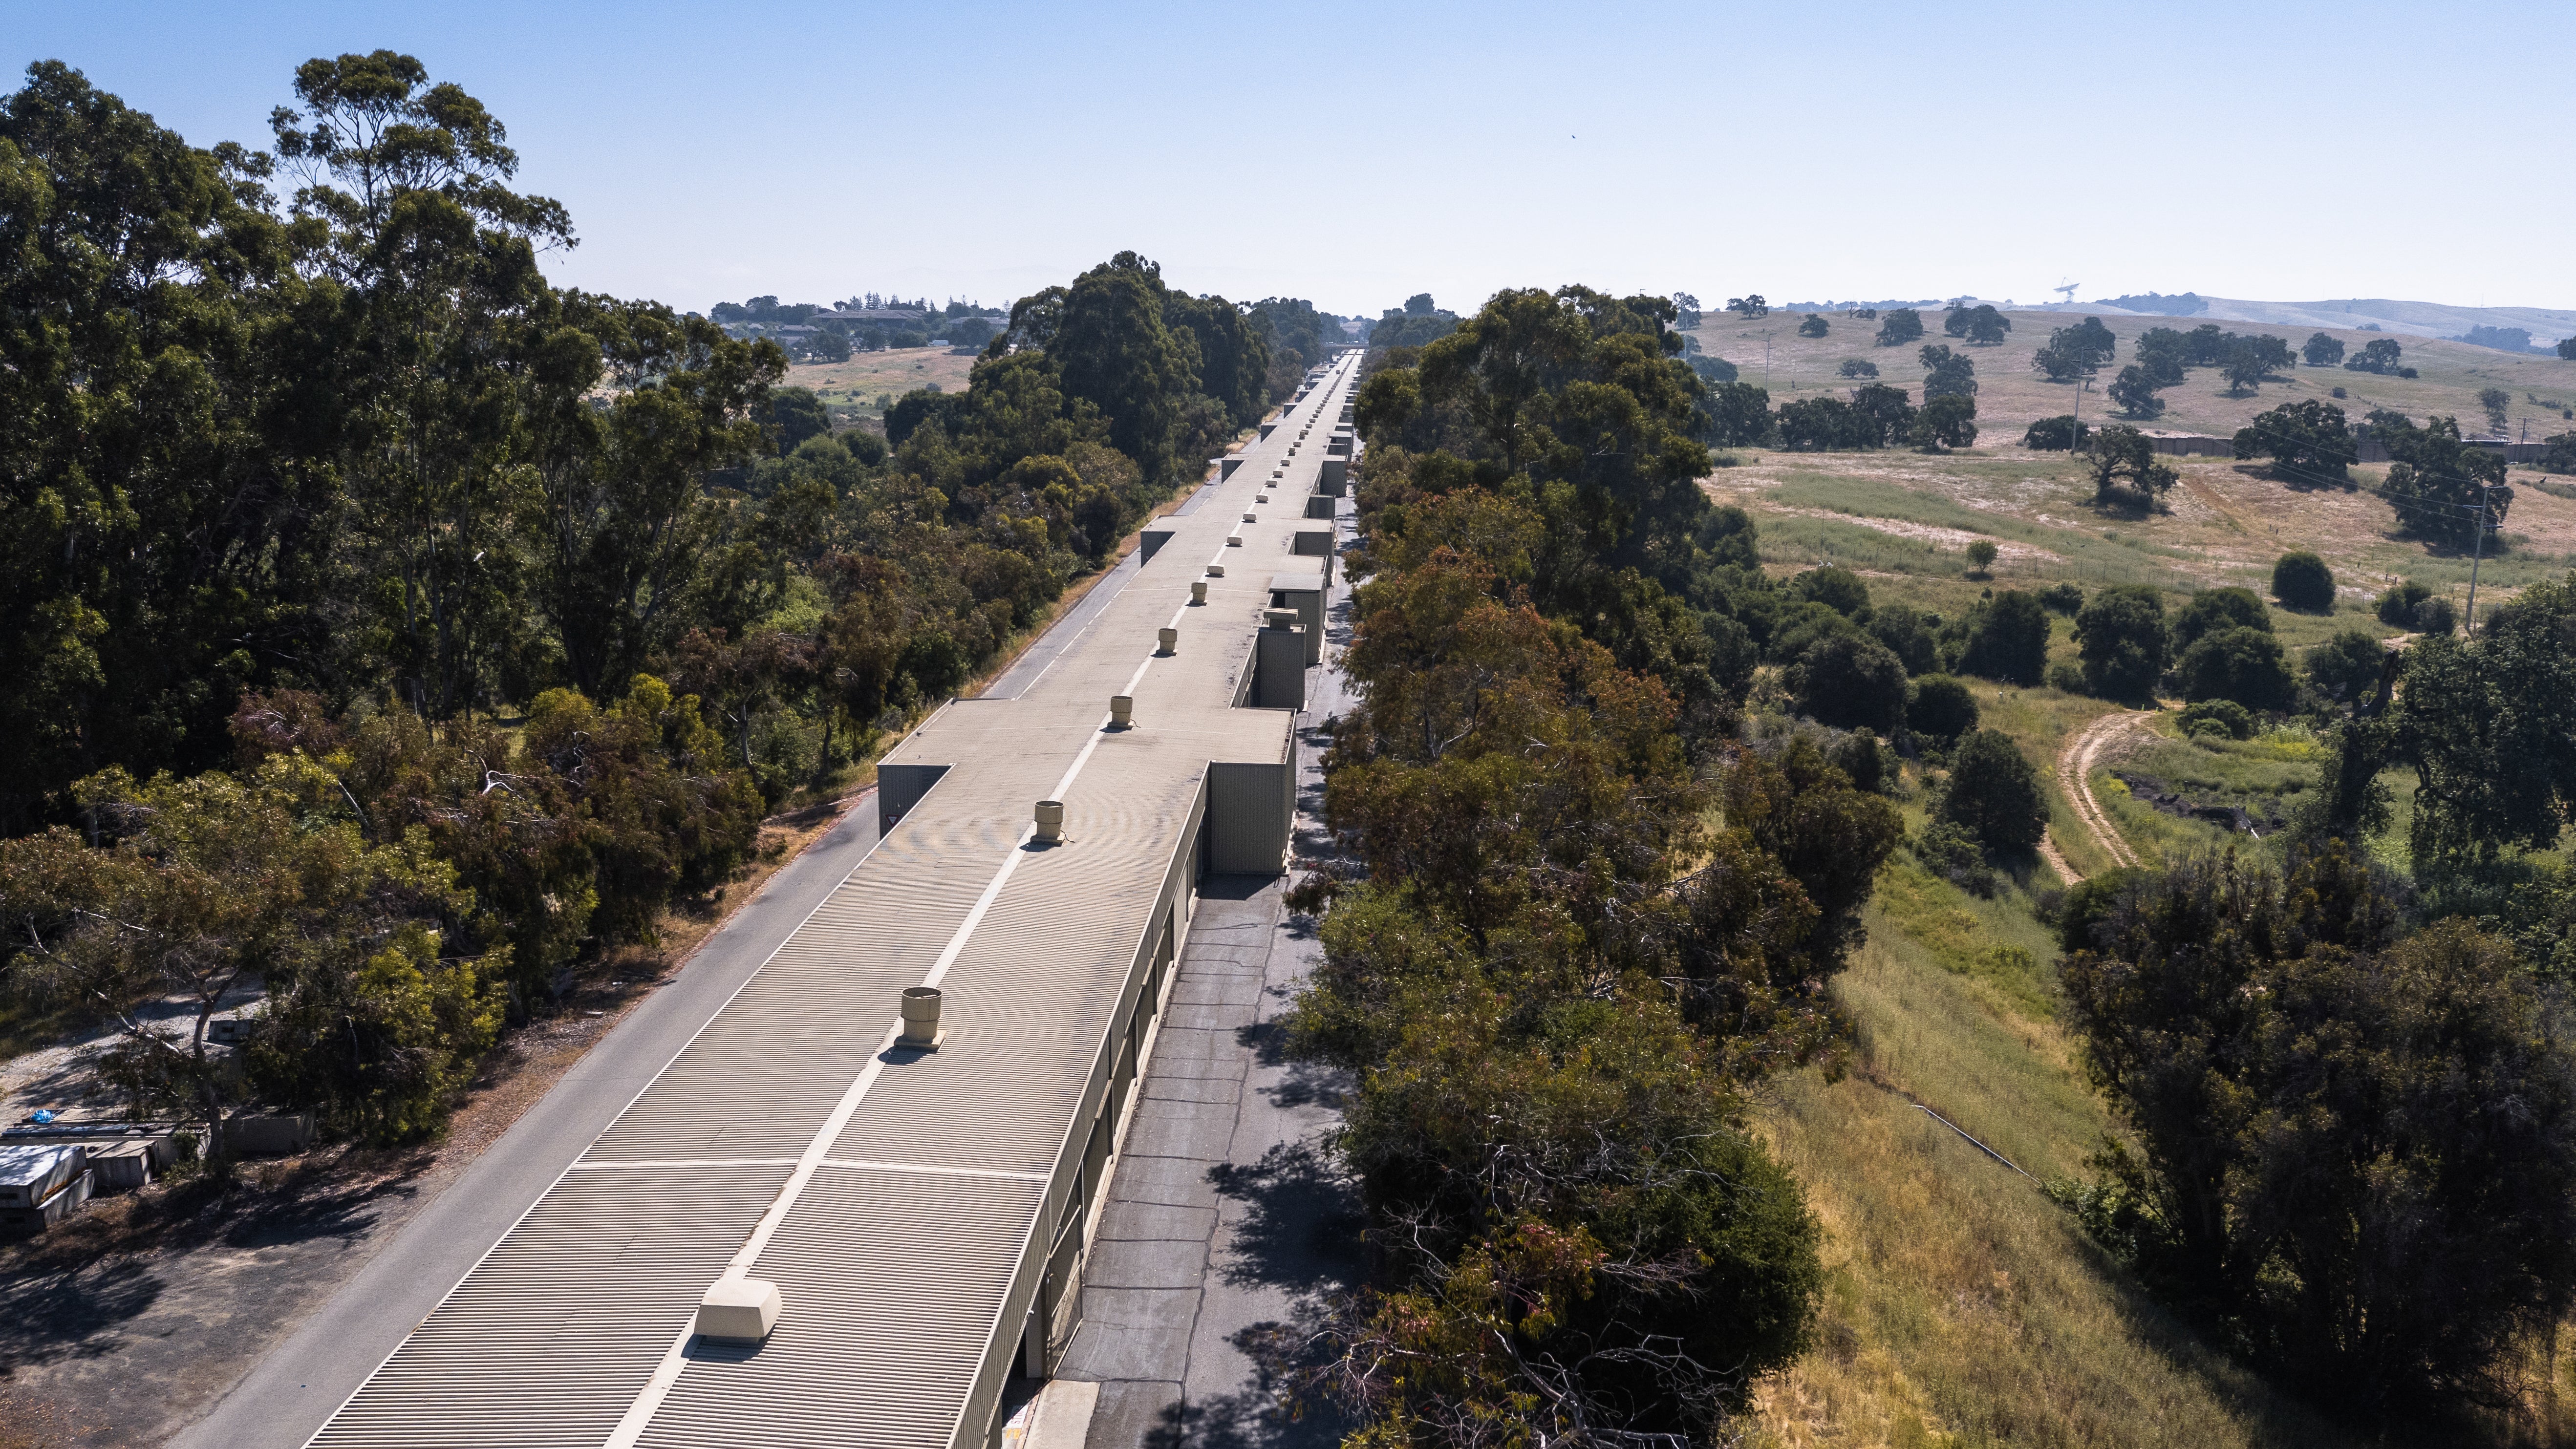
[815,332]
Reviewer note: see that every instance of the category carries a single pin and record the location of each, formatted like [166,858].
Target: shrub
[2219,716]
[2355,1149]
[1942,708]
[1953,853]
[2436,617]
[2004,637]
[2302,581]
[1881,415]
[2135,391]
[1993,793]
[2067,677]
[2398,604]
[2214,609]
[2559,454]
[2346,668]
[1909,633]
[1860,756]
[2087,902]
[2245,665]
[1981,556]
[2062,598]
[2058,434]
[1851,681]
[1838,589]
[2121,637]
[1855,367]
[1947,421]
[1824,424]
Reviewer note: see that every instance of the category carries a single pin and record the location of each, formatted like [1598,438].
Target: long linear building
[823,1224]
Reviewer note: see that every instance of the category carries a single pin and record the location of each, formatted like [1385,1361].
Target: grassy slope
[1964,1308]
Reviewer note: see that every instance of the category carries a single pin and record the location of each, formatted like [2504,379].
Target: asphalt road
[288,1396]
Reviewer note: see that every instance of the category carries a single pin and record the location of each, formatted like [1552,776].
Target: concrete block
[279,1134]
[740,1310]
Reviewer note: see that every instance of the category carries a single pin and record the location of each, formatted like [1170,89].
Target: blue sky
[1355,153]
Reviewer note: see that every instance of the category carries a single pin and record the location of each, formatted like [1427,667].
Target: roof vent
[741,1310]
[1122,711]
[1198,591]
[921,1031]
[1050,818]
[1252,518]
[1167,640]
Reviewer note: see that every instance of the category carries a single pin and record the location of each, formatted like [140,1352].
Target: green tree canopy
[1941,708]
[2237,663]
[2125,467]
[2352,1145]
[1947,373]
[2213,609]
[1993,794]
[2004,637]
[2135,391]
[2122,640]
[2309,442]
[2301,581]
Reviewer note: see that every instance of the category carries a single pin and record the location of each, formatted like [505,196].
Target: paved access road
[283,1400]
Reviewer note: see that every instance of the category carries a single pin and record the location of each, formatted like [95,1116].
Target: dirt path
[2074,776]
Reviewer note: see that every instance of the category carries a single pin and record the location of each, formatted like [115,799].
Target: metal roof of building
[904,1202]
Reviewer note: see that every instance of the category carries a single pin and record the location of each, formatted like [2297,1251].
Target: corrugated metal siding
[550,1338]
[882,1328]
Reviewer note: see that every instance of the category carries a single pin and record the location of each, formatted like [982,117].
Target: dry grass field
[853,390]
[1963,1306]
[2010,394]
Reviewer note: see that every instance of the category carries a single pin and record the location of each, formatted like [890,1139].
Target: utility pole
[1766,359]
[2477,558]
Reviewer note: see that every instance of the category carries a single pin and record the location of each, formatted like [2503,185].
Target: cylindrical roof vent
[1167,640]
[1250,517]
[1122,710]
[921,1008]
[1198,591]
[1050,818]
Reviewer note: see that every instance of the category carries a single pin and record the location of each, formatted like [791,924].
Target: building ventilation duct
[921,1003]
[739,1310]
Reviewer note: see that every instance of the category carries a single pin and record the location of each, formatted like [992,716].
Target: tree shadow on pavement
[1299,1233]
